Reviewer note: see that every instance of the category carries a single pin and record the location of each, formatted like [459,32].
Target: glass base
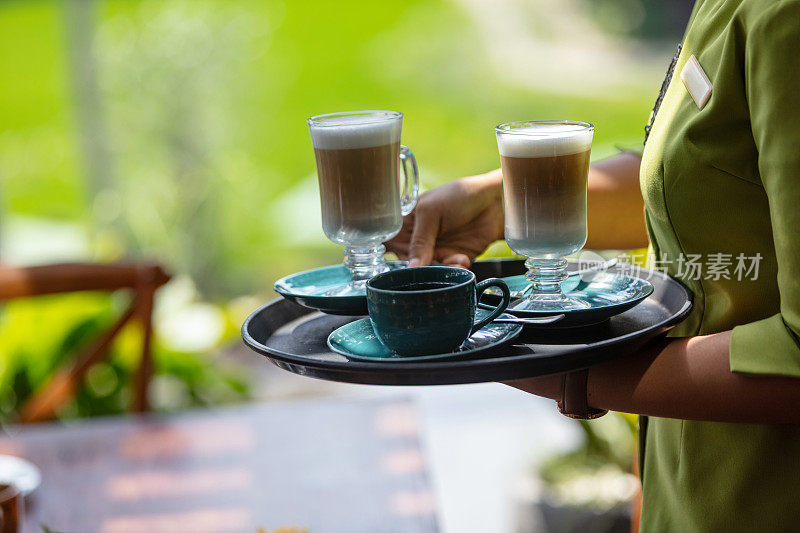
[550,303]
[354,288]
[544,293]
[363,264]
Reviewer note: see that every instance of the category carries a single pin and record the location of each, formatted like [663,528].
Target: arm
[684,378]
[615,206]
[455,223]
[751,373]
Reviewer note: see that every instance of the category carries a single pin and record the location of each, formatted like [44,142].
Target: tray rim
[434,366]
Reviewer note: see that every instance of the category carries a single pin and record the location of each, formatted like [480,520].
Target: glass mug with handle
[545,167]
[358,157]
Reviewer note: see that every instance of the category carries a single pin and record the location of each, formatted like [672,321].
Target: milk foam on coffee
[356,131]
[546,140]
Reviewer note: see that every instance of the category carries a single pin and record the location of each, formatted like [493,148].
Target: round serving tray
[294,338]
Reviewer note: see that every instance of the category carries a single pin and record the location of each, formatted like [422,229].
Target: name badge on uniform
[696,82]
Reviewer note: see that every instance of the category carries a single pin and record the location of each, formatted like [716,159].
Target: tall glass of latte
[545,168]
[358,158]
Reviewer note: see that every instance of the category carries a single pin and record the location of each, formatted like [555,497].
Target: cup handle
[411,182]
[480,288]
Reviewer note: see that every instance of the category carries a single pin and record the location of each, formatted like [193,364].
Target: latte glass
[545,168]
[358,159]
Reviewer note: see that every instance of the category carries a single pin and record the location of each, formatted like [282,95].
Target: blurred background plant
[38,335]
[580,477]
[175,130]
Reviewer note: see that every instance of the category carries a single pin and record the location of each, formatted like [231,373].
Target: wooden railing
[142,280]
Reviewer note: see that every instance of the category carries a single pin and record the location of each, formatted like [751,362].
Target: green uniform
[723,182]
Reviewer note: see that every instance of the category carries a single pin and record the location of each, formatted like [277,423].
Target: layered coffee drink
[545,169]
[358,158]
[357,167]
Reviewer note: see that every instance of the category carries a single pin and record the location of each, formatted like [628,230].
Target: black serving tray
[294,338]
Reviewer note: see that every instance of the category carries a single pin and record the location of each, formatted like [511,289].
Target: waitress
[720,181]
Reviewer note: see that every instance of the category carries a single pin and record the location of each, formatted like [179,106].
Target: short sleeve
[772,75]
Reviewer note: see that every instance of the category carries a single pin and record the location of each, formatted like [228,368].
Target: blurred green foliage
[607,441]
[176,129]
[39,335]
[200,115]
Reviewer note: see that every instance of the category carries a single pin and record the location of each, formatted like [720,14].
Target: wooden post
[144,279]
[141,403]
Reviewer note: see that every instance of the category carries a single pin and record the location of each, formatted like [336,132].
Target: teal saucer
[311,289]
[608,294]
[357,340]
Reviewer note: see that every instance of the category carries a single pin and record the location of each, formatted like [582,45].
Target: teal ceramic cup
[428,310]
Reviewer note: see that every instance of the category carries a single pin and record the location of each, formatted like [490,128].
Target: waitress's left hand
[452,224]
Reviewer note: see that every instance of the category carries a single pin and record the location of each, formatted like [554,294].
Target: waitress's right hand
[454,223]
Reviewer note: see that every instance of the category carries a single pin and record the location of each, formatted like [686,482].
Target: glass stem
[364,263]
[546,276]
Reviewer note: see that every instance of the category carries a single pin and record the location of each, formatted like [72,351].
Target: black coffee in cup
[428,310]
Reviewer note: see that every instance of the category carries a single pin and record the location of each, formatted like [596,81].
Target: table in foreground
[337,465]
